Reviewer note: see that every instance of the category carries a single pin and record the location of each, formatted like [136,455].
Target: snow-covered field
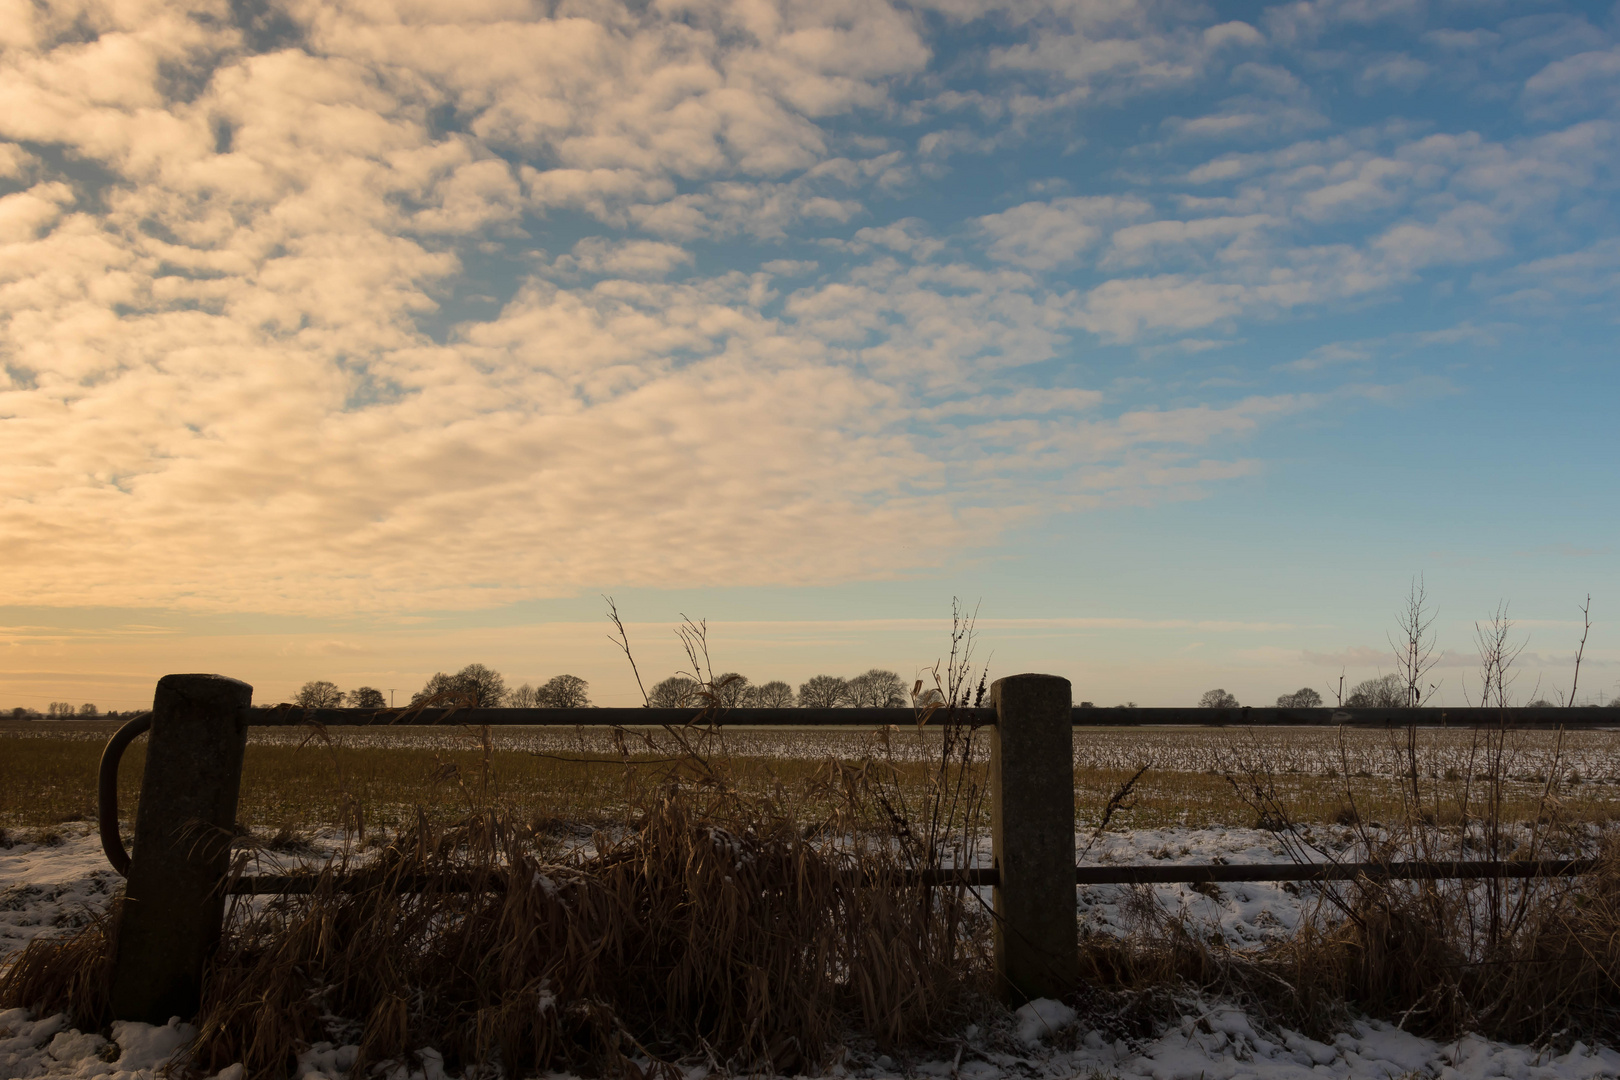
[1592,754]
[44,888]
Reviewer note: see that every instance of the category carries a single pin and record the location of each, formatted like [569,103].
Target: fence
[178,878]
[1082,716]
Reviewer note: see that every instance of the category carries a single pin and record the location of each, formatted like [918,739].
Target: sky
[356,340]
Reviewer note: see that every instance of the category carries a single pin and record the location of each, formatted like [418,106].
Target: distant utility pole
[391,697]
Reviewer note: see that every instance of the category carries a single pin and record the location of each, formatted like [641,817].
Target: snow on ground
[50,886]
[44,887]
[1215,1043]
[1243,913]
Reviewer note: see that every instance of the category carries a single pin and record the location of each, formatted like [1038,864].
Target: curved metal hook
[111,842]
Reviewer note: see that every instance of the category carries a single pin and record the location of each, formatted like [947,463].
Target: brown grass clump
[692,933]
[1525,959]
[1532,960]
[1420,954]
[70,973]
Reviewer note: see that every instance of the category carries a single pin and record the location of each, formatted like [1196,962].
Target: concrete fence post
[173,903]
[1032,837]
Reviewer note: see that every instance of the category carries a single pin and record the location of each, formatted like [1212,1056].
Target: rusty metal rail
[1174,874]
[1197,873]
[1083,716]
[107,803]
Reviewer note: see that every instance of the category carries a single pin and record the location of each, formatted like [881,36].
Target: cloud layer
[315,307]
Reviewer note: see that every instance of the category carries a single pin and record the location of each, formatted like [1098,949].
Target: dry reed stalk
[1533,960]
[699,931]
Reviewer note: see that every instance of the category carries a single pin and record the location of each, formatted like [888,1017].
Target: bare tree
[474,686]
[487,687]
[1303,698]
[1217,699]
[367,697]
[564,692]
[87,709]
[524,697]
[1384,692]
[319,694]
[731,689]
[877,689]
[824,692]
[675,692]
[440,685]
[775,694]
[1497,652]
[1414,648]
[1586,629]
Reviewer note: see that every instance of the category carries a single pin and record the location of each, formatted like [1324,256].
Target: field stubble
[374,777]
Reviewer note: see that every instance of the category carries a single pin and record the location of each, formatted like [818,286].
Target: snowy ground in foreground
[46,888]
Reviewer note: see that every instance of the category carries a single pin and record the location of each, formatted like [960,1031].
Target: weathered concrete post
[1032,836]
[173,905]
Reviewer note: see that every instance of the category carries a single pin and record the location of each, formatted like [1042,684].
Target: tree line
[481,687]
[874,689]
[57,710]
[474,686]
[1380,692]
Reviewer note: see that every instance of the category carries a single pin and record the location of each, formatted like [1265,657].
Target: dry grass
[1533,960]
[712,928]
[1404,952]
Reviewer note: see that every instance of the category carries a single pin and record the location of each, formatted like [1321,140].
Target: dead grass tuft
[71,973]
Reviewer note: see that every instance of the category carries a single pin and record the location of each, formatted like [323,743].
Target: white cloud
[1332,354]
[1042,235]
[1590,273]
[1587,81]
[1248,118]
[908,236]
[1122,47]
[24,214]
[240,354]
[1303,22]
[631,258]
[1467,233]
[1369,350]
[15,162]
[1398,72]
[765,211]
[1171,240]
[790,267]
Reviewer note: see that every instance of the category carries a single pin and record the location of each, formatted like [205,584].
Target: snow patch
[1041,1019]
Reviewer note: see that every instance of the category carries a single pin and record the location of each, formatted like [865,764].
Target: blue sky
[360,340]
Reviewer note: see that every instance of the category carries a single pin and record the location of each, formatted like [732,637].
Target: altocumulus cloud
[321,306]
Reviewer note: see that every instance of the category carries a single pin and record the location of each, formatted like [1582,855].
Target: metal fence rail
[1539,717]
[985,876]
